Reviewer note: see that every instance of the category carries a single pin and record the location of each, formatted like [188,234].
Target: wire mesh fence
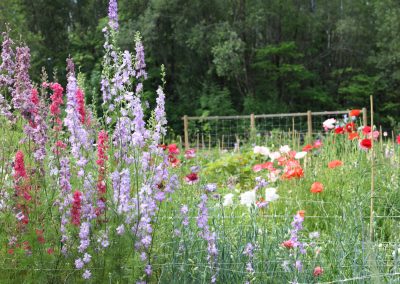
[227,132]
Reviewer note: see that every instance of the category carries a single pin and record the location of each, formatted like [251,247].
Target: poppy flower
[288,244]
[173,149]
[335,164]
[318,271]
[398,139]
[174,161]
[366,130]
[329,124]
[301,213]
[365,144]
[192,178]
[50,251]
[339,130]
[350,127]
[189,154]
[307,148]
[267,165]
[355,112]
[317,187]
[353,135]
[296,172]
[317,144]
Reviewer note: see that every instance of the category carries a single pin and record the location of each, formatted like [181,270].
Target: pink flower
[317,144]
[189,154]
[288,244]
[318,271]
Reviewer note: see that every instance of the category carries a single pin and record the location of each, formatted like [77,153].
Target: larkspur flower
[86,275]
[210,187]
[113,14]
[79,263]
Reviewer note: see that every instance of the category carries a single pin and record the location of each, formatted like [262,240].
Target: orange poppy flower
[335,164]
[355,112]
[301,213]
[353,136]
[307,148]
[317,187]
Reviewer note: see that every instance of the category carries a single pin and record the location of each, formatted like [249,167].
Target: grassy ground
[179,254]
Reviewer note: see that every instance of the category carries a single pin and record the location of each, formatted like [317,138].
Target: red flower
[173,160]
[317,187]
[19,166]
[192,178]
[56,101]
[355,112]
[162,146]
[34,97]
[334,164]
[50,251]
[307,148]
[339,130]
[76,208]
[80,99]
[102,140]
[10,251]
[293,172]
[40,238]
[365,144]
[350,127]
[288,244]
[318,271]
[366,130]
[173,149]
[398,139]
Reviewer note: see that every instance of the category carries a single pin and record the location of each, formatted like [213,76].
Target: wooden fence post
[309,125]
[364,116]
[372,195]
[252,126]
[186,131]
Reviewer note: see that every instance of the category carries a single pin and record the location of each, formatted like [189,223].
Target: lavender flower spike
[113,14]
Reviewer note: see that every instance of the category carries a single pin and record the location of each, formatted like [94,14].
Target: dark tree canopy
[231,56]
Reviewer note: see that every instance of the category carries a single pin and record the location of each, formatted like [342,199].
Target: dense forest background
[230,56]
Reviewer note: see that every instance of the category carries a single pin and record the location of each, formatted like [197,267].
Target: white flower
[300,155]
[261,150]
[248,198]
[329,123]
[274,155]
[314,235]
[270,194]
[273,176]
[284,149]
[228,200]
